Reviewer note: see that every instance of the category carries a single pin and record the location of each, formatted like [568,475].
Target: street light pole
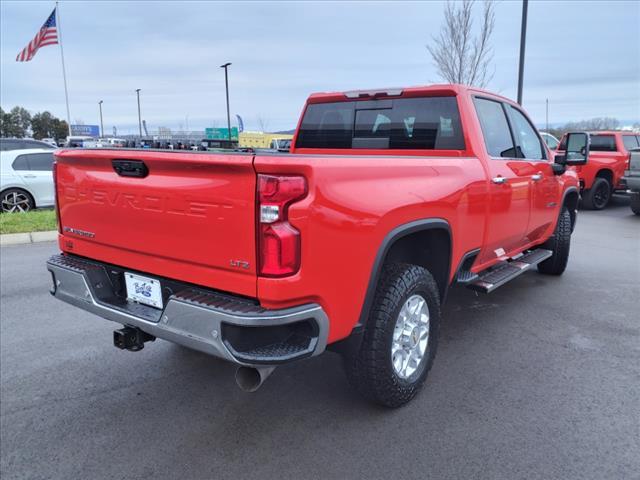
[523,37]
[139,115]
[547,113]
[101,124]
[226,85]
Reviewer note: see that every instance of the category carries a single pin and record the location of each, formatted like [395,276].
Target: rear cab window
[630,142]
[603,143]
[422,123]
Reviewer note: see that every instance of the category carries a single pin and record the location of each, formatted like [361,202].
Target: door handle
[29,176]
[537,177]
[499,180]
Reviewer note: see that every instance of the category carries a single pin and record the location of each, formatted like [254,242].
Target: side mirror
[577,152]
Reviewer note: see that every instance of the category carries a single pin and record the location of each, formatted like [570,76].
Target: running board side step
[504,272]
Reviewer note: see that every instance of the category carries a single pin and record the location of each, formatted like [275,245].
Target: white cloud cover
[583,56]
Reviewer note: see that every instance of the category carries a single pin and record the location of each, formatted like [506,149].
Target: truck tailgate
[190,218]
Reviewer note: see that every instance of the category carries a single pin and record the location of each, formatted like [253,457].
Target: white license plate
[143,290]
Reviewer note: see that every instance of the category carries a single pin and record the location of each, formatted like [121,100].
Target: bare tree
[592,125]
[458,54]
[598,123]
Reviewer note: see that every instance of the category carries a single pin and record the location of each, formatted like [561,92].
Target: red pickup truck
[350,241]
[608,160]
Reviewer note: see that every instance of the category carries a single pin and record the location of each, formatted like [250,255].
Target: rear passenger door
[545,185]
[509,183]
[38,176]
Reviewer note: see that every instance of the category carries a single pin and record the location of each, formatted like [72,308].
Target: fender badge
[239,264]
[81,233]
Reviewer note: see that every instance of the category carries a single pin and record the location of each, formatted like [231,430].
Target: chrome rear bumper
[232,328]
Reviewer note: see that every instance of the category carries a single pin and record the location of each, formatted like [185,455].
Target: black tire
[15,200]
[635,203]
[559,244]
[598,196]
[370,369]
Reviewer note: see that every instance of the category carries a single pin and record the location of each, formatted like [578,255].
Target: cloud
[583,56]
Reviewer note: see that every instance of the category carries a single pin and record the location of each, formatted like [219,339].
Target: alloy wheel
[14,202]
[410,337]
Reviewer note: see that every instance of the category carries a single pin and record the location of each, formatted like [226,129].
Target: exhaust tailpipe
[250,379]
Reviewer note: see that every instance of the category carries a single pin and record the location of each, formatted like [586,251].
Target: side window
[41,162]
[529,144]
[9,145]
[630,142]
[32,144]
[551,142]
[495,129]
[603,143]
[21,163]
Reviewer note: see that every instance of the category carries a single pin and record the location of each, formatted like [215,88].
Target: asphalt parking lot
[540,379]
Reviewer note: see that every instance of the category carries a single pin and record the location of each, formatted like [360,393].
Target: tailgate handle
[130,168]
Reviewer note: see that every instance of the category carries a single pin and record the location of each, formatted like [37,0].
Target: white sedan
[551,141]
[26,179]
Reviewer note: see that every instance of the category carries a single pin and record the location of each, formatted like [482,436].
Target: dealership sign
[221,133]
[85,130]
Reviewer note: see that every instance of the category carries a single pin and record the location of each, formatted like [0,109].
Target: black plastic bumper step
[497,276]
[466,276]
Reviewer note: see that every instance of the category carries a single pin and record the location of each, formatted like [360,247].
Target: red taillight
[278,240]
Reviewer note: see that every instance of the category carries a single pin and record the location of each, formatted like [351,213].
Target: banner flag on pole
[47,35]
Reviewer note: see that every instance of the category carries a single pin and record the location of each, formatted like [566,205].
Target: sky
[583,56]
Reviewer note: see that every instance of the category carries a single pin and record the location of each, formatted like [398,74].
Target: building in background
[263,139]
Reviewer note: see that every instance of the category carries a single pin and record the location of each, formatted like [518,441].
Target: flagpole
[64,72]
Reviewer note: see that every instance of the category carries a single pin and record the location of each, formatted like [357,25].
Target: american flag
[47,35]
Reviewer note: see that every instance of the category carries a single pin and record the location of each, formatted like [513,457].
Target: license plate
[143,290]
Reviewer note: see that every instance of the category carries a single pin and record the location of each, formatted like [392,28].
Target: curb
[33,237]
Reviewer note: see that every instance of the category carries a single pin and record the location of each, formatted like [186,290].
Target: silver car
[26,179]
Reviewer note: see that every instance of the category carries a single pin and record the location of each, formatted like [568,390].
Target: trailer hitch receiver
[130,338]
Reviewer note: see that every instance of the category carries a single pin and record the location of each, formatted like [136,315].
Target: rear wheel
[635,203]
[400,337]
[16,200]
[559,244]
[598,196]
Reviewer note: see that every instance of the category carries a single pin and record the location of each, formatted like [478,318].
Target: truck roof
[414,91]
[609,132]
